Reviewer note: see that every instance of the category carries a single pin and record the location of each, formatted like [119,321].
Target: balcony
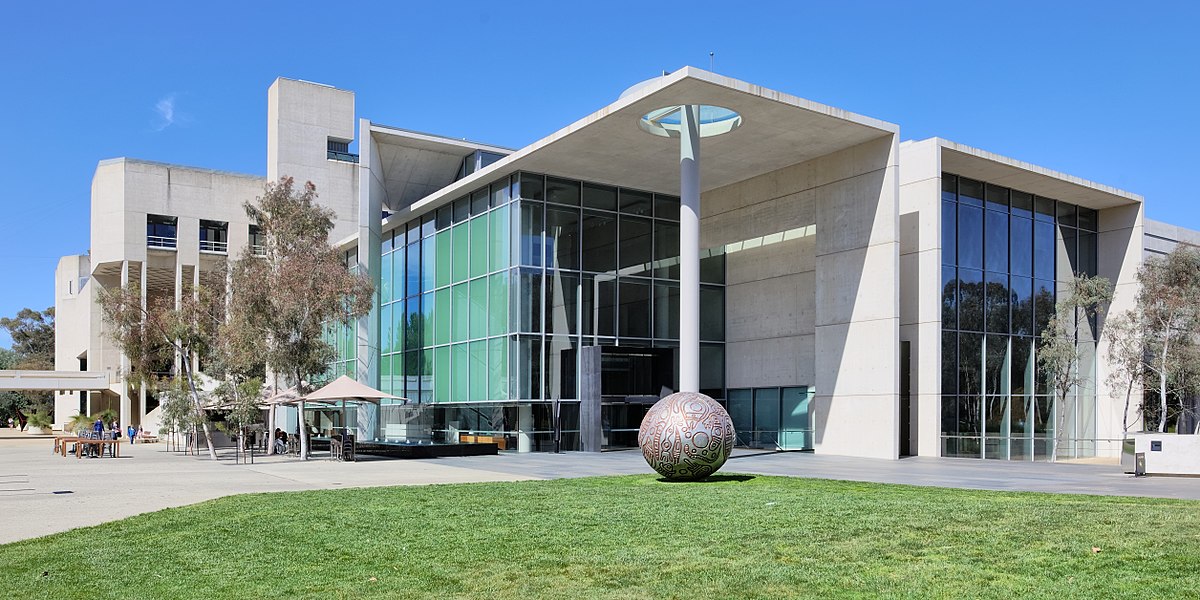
[214,247]
[158,241]
[342,156]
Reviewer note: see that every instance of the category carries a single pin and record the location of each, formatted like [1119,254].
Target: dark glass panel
[949,362]
[562,238]
[1070,238]
[949,414]
[562,191]
[1043,250]
[1087,253]
[997,197]
[996,244]
[422,266]
[666,312]
[462,209]
[997,300]
[712,313]
[527,313]
[633,310]
[1043,424]
[970,364]
[712,369]
[995,423]
[949,298]
[666,249]
[970,237]
[1021,367]
[599,196]
[385,244]
[598,297]
[479,201]
[712,268]
[970,300]
[562,295]
[995,381]
[949,187]
[1020,252]
[599,240]
[532,252]
[413,323]
[1043,304]
[1066,214]
[970,191]
[1043,209]
[1022,305]
[636,235]
[527,384]
[1089,219]
[949,239]
[969,417]
[666,207]
[501,192]
[445,217]
[636,203]
[532,187]
[1022,204]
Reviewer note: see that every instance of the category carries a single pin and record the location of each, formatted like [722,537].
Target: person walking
[132,433]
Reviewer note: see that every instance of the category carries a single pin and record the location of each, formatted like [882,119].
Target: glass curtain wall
[1005,253]
[479,299]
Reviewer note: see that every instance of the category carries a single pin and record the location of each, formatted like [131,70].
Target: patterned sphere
[686,436]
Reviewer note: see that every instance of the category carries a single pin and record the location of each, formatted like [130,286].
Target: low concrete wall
[1166,453]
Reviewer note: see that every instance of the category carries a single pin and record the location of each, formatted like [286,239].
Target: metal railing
[158,241]
[342,156]
[258,250]
[211,246]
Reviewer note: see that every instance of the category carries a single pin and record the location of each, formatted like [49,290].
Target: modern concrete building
[838,290]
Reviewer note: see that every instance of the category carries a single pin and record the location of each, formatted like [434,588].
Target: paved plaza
[43,493]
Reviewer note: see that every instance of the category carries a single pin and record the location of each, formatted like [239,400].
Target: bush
[41,420]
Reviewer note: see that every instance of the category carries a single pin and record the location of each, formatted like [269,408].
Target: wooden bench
[145,437]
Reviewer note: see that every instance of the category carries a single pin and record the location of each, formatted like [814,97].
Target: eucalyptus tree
[1168,304]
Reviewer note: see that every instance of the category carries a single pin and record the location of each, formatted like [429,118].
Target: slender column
[689,249]
[124,408]
[141,411]
[196,298]
[178,305]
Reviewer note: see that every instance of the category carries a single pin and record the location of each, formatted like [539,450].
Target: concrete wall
[72,318]
[811,296]
[1121,250]
[920,288]
[301,118]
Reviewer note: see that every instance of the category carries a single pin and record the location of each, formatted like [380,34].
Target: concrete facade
[831,229]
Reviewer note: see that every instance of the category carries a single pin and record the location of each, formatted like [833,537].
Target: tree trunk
[303,431]
[1162,384]
[271,430]
[187,371]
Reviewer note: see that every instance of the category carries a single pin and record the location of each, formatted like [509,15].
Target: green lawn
[626,537]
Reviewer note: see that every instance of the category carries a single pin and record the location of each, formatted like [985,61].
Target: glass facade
[479,299]
[1005,252]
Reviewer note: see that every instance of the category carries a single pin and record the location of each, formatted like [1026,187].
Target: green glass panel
[479,246]
[460,314]
[479,308]
[441,316]
[424,319]
[498,303]
[498,368]
[460,359]
[441,374]
[386,331]
[385,279]
[442,254]
[385,374]
[498,255]
[479,371]
[460,256]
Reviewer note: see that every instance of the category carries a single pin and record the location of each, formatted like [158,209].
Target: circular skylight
[714,120]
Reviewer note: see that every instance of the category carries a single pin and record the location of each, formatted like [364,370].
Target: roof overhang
[608,146]
[412,165]
[1001,170]
[53,381]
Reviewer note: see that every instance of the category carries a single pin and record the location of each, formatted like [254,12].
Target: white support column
[689,249]
[124,402]
[141,411]
[196,298]
[178,304]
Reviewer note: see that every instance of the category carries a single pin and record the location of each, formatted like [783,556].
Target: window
[160,231]
[214,236]
[258,241]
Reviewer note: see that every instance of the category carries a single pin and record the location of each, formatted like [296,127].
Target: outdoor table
[116,444]
[61,441]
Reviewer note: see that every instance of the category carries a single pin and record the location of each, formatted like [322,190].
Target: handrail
[158,241]
[211,246]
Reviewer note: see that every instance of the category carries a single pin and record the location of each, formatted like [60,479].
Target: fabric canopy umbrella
[344,388]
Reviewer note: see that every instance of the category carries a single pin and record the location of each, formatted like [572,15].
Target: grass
[626,537]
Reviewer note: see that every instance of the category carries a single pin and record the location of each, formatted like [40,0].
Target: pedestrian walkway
[51,494]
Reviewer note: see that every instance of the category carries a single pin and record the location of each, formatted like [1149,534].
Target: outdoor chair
[335,448]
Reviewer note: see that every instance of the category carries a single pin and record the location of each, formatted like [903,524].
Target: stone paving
[43,493]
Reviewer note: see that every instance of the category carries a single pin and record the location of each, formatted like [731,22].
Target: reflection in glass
[636,244]
[633,311]
[599,242]
[970,300]
[997,301]
[562,238]
[970,237]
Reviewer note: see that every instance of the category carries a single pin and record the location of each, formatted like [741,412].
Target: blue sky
[1104,90]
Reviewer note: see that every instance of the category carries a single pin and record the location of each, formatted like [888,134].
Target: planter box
[1166,453]
[31,430]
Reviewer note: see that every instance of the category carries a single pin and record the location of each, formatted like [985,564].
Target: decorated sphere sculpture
[686,436]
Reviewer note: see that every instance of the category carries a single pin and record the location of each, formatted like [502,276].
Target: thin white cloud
[165,108]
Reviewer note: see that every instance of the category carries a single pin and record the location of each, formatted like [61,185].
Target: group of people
[115,430]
